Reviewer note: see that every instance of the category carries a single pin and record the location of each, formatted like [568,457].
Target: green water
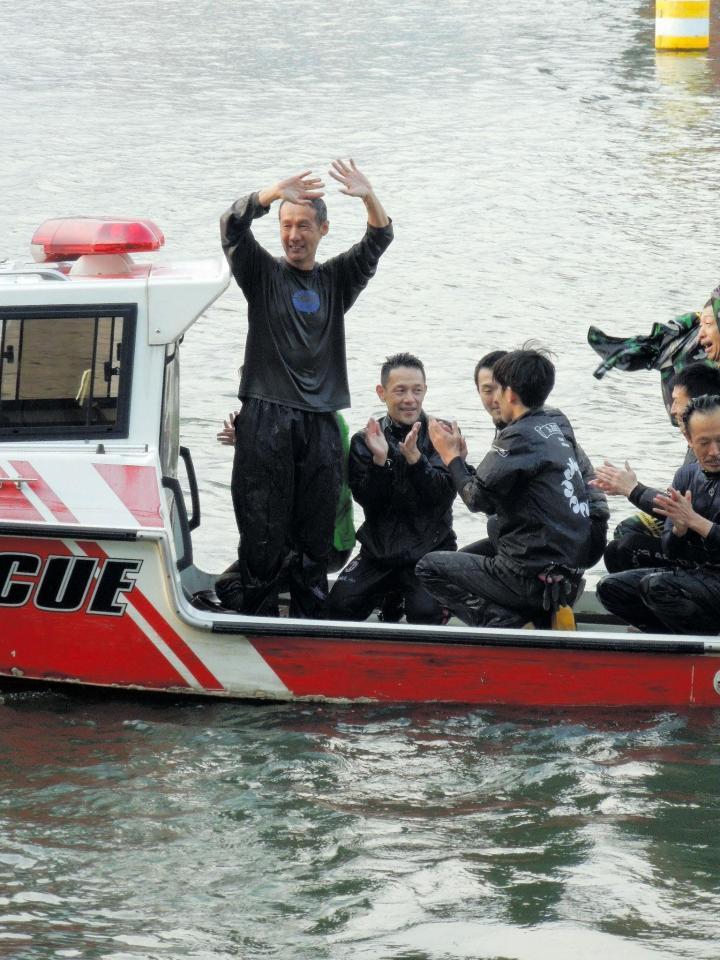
[156,829]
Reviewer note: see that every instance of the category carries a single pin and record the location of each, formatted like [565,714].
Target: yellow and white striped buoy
[682,24]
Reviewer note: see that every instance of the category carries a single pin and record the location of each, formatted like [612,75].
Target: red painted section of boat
[137,487]
[159,624]
[475,674]
[78,645]
[14,505]
[176,643]
[44,492]
[85,648]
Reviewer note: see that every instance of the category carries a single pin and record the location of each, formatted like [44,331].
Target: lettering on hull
[62,584]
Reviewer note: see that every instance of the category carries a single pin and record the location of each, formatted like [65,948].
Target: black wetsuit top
[532,480]
[295,348]
[408,509]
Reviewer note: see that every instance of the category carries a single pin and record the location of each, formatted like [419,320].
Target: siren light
[68,239]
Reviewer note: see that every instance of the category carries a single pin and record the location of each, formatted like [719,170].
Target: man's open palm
[302,188]
[354,183]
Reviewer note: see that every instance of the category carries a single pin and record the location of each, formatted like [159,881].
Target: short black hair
[318,205]
[704,404]
[400,360]
[697,379]
[488,362]
[529,372]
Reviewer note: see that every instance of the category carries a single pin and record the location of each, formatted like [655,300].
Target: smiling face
[489,391]
[300,234]
[709,335]
[403,394]
[704,439]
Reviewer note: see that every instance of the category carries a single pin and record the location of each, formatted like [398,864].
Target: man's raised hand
[354,183]
[301,189]
[409,447]
[376,442]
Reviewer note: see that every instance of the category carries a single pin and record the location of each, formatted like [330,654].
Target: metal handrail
[18,481]
[47,273]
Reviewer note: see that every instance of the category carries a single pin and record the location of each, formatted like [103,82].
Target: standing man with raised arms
[288,455]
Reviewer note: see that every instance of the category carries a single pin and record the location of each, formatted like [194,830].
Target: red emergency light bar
[82,236]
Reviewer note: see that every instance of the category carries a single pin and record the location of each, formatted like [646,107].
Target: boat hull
[111,613]
[510,674]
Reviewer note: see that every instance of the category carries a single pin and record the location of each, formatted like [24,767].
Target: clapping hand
[447,439]
[376,442]
[409,447]
[615,480]
[678,508]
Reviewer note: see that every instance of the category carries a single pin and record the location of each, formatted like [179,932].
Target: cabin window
[65,372]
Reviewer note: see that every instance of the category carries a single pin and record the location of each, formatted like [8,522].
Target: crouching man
[531,480]
[406,492]
[681,599]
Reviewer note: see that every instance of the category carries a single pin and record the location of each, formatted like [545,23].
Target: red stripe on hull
[48,496]
[411,672]
[137,487]
[174,641]
[14,505]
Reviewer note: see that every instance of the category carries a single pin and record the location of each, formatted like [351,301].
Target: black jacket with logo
[597,500]
[408,509]
[532,481]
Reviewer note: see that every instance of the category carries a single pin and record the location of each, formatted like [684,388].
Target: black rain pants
[285,487]
[365,582]
[678,601]
[482,591]
[634,551]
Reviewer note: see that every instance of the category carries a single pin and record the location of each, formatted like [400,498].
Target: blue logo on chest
[306,301]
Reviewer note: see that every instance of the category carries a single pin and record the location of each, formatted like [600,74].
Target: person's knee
[611,591]
[431,566]
[347,600]
[613,558]
[420,607]
[342,605]
[662,590]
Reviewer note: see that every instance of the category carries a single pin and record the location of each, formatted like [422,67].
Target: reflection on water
[154,829]
[545,170]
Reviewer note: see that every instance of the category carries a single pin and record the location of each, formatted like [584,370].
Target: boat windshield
[65,373]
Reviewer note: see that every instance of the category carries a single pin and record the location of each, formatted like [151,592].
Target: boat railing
[33,270]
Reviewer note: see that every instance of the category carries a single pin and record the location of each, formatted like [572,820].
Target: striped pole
[682,24]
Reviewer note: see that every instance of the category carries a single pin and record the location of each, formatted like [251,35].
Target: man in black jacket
[288,453]
[681,599]
[532,482]
[637,541]
[599,511]
[406,493]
